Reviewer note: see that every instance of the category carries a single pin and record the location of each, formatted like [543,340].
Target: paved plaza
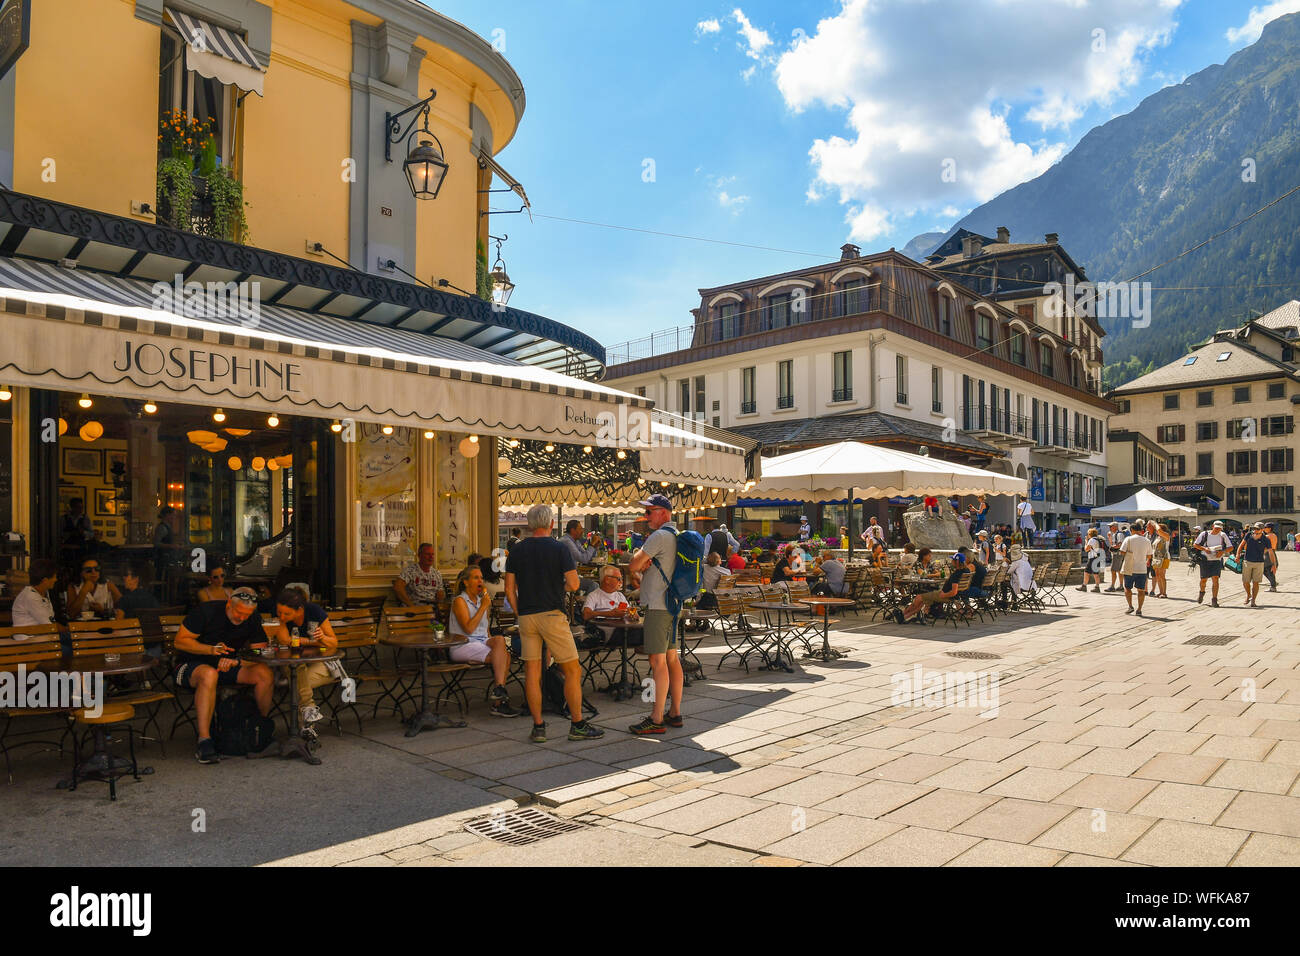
[1092,738]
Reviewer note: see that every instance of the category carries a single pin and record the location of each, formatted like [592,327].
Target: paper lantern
[468,447]
[258,463]
[503,465]
[91,431]
[234,463]
[238,432]
[272,465]
[63,426]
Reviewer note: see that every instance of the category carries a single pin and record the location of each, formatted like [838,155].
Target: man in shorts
[1270,571]
[539,570]
[654,564]
[206,644]
[1114,538]
[1256,555]
[1213,544]
[1136,552]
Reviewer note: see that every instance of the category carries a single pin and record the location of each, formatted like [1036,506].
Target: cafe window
[385,503]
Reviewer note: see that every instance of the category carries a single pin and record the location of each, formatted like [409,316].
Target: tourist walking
[1025,515]
[1136,552]
[1160,540]
[1213,544]
[659,550]
[1094,562]
[1255,554]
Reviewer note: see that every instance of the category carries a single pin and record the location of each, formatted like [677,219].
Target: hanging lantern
[85,401]
[468,447]
[258,463]
[219,415]
[272,465]
[91,431]
[499,280]
[234,463]
[238,432]
[150,408]
[63,426]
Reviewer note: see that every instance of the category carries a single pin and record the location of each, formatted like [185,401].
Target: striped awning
[215,52]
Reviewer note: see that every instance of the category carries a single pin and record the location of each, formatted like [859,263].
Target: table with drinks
[292,657]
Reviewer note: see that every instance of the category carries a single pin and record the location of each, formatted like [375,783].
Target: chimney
[849,251]
[970,247]
[1004,234]
[1051,237]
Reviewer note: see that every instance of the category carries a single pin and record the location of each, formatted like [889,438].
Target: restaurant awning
[79,331]
[218,54]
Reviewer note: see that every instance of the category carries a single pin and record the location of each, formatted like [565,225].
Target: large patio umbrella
[1144,504]
[851,469]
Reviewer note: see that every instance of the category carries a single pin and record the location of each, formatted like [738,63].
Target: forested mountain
[1188,162]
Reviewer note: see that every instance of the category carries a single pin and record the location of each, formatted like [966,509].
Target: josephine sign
[202,365]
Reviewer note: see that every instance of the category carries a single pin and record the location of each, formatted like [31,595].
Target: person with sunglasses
[92,596]
[660,550]
[216,589]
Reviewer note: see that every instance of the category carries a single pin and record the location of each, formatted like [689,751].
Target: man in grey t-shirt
[655,563]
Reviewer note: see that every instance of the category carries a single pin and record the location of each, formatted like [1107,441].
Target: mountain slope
[1144,187]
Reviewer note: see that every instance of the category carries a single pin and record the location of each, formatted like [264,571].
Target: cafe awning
[79,331]
[218,54]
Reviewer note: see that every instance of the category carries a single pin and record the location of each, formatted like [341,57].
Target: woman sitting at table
[925,562]
[711,575]
[216,589]
[471,610]
[781,570]
[798,563]
[879,557]
[92,596]
[908,558]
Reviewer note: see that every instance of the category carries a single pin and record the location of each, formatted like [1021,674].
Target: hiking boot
[1097,589]
[499,692]
[646,726]
[310,714]
[502,708]
[1083,588]
[1138,612]
[538,736]
[672,721]
[1214,602]
[206,751]
[1200,598]
[585,730]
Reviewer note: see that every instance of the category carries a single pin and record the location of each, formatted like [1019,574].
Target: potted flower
[195,191]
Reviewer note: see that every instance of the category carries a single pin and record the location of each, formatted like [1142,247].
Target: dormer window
[778,310]
[1045,352]
[852,296]
[1018,347]
[984,330]
[728,320]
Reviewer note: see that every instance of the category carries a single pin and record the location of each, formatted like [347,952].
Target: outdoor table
[827,653]
[692,615]
[292,659]
[425,644]
[100,765]
[623,689]
[781,649]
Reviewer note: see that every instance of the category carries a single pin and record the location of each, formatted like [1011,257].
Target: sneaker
[1084,588]
[206,751]
[1253,604]
[502,708]
[309,734]
[1097,589]
[310,714]
[1272,587]
[585,731]
[1138,612]
[538,736]
[1129,611]
[499,693]
[672,721]
[647,726]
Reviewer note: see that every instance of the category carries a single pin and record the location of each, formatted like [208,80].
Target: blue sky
[798,126]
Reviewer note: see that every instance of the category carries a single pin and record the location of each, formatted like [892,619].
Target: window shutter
[1254,501]
[1254,462]
[1290,498]
[1231,462]
[1290,461]
[1263,461]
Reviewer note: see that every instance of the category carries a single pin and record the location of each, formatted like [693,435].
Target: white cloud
[747,74]
[707,26]
[727,201]
[756,40]
[949,212]
[914,111]
[1249,31]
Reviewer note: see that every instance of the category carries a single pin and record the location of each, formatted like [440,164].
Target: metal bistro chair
[413,620]
[32,646]
[738,632]
[124,637]
[357,630]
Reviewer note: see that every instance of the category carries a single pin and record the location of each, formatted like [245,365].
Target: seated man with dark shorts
[206,645]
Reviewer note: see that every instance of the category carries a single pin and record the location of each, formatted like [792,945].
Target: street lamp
[425,165]
[500,281]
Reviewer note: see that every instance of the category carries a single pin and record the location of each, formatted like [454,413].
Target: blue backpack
[685,581]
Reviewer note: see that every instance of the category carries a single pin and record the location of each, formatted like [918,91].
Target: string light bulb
[336,426]
[549,448]
[428,434]
[387,429]
[5,394]
[274,422]
[85,401]
[621,454]
[150,408]
[219,415]
[586,449]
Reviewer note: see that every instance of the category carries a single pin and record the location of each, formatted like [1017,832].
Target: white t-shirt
[601,600]
[1136,550]
[1022,576]
[1218,543]
[1092,548]
[873,531]
[31,607]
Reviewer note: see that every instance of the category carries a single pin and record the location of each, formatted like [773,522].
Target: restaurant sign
[15,29]
[1180,489]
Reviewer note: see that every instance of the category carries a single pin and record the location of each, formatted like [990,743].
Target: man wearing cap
[539,570]
[805,530]
[1213,544]
[947,591]
[983,548]
[1255,554]
[1136,550]
[206,644]
[653,567]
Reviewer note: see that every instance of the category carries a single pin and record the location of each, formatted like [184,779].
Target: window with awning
[217,53]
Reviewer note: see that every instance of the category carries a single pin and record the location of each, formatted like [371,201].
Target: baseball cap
[982,534]
[959,558]
[1218,524]
[657,501]
[244,596]
[1259,526]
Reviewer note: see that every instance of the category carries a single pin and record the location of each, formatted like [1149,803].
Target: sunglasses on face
[94,570]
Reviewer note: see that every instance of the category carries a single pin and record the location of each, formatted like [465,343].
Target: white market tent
[1144,504]
[850,469]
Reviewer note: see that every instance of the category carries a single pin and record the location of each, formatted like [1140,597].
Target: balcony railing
[748,408]
[785,401]
[985,418]
[841,395]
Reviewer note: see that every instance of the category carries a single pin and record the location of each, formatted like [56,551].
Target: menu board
[385,505]
[454,498]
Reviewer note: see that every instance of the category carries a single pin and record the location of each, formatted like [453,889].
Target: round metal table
[101,765]
[777,607]
[426,644]
[826,653]
[291,658]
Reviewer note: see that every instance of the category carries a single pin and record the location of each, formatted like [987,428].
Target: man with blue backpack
[668,566]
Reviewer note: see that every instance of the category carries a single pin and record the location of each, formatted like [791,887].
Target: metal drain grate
[974,655]
[521,827]
[1215,639]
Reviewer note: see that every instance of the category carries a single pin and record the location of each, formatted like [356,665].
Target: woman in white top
[93,597]
[470,611]
[1094,562]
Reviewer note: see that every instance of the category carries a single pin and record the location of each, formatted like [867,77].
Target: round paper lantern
[503,465]
[468,448]
[258,463]
[63,426]
[91,431]
[234,463]
[272,465]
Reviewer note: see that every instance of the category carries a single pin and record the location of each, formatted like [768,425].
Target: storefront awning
[218,54]
[73,330]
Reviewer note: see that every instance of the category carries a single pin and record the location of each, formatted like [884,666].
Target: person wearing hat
[805,530]
[946,592]
[1213,544]
[1021,572]
[983,548]
[720,542]
[1255,554]
[659,550]
[206,646]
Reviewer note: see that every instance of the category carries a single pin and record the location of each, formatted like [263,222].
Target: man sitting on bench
[947,591]
[206,645]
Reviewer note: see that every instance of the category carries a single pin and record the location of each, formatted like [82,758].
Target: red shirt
[735,562]
[932,502]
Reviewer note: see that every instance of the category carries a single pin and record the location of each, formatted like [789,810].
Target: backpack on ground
[553,699]
[238,729]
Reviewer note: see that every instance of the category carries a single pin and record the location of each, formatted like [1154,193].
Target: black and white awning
[215,52]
